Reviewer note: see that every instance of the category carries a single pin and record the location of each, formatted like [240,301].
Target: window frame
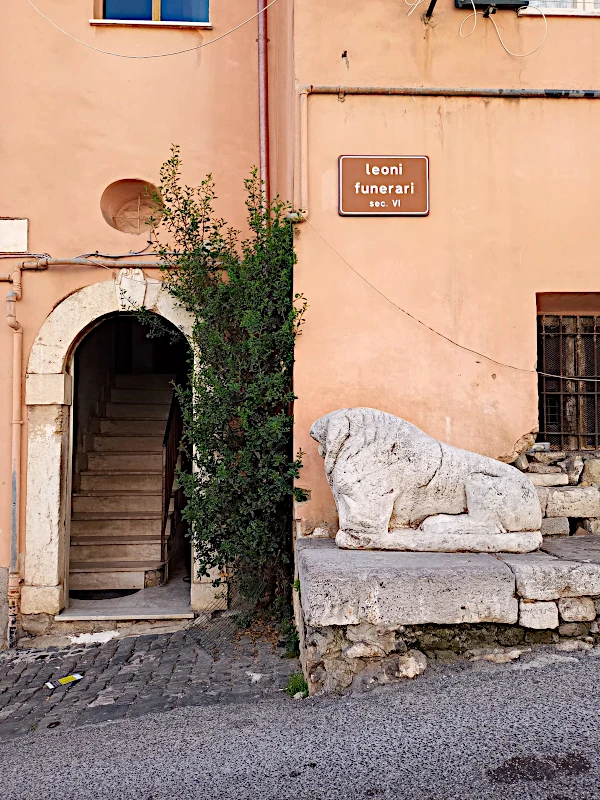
[588,10]
[155,22]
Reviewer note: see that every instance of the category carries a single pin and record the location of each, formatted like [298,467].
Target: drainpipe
[14,579]
[263,100]
[415,91]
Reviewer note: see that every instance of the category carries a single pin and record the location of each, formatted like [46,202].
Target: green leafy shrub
[237,410]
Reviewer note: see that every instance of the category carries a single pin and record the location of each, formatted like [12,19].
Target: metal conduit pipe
[414,91]
[14,578]
[263,100]
[44,263]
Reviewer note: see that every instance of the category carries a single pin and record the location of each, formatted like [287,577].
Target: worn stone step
[142,381]
[114,574]
[114,480]
[114,548]
[132,502]
[128,444]
[121,524]
[137,396]
[132,427]
[137,410]
[123,462]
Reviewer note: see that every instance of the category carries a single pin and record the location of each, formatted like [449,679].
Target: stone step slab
[134,502]
[111,481]
[107,580]
[81,551]
[162,396]
[124,462]
[342,587]
[128,444]
[573,501]
[115,525]
[140,381]
[137,410]
[132,427]
[540,576]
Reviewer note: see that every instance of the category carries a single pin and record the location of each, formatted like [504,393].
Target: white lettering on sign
[370,185]
[407,188]
[383,170]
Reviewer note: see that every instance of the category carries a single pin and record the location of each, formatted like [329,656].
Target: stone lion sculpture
[396,488]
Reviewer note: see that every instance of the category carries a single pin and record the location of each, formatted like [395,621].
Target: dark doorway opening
[127,534]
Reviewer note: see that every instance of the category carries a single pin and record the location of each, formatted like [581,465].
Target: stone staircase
[117,499]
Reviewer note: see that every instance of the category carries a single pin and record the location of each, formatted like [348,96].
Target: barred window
[569,345]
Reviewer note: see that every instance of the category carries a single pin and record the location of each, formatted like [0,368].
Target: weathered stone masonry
[369,618]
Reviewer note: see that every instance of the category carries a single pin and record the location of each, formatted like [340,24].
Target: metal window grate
[570,346]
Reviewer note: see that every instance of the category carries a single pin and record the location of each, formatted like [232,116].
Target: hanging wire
[442,335]
[155,55]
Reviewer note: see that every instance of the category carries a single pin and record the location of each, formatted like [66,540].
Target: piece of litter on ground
[499,656]
[299,696]
[503,658]
[93,638]
[63,681]
[255,677]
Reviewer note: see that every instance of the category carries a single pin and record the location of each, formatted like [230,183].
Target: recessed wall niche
[128,205]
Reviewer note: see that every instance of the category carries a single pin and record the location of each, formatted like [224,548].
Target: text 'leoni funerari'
[390,188]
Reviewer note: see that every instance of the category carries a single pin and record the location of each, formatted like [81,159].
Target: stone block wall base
[41,599]
[360,657]
[370,617]
[205,597]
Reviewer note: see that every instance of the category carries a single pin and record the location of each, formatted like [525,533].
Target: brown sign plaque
[381,186]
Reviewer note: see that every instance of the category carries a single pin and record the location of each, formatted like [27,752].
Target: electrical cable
[413,5]
[124,255]
[156,55]
[491,17]
[442,335]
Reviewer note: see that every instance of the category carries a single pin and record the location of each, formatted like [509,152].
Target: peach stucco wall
[513,191]
[75,120]
[514,199]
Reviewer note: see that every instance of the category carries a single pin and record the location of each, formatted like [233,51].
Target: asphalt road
[457,732]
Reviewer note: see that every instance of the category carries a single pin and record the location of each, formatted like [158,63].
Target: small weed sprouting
[297,684]
[290,638]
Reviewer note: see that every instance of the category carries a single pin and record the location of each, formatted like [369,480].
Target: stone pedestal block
[541,577]
[393,588]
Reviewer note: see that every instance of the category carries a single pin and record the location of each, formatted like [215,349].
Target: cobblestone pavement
[133,676]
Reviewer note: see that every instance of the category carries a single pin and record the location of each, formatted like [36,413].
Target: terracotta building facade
[435,264]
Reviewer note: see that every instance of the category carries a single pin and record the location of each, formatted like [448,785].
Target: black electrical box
[492,5]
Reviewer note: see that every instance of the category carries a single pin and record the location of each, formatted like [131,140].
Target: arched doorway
[53,434]
[126,528]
